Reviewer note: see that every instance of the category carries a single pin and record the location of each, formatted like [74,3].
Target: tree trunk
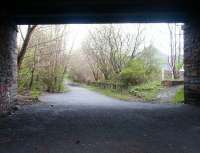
[25,45]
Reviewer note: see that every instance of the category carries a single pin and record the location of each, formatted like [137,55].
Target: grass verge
[147,91]
[179,97]
[125,95]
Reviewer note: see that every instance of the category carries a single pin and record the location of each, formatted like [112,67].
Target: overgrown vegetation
[45,62]
[133,73]
[144,67]
[111,55]
[108,55]
[147,91]
[123,95]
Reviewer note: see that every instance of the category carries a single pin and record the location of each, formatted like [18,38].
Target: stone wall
[192,63]
[8,65]
[171,83]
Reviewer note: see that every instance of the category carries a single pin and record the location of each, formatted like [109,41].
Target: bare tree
[96,47]
[47,58]
[174,59]
[92,64]
[111,48]
[138,40]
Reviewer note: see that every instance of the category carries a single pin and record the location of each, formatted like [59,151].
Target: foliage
[147,91]
[108,49]
[152,62]
[179,97]
[45,62]
[134,73]
[109,54]
[23,79]
[114,55]
[179,65]
[143,68]
[35,93]
[25,43]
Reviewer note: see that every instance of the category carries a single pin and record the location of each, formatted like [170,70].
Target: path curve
[78,95]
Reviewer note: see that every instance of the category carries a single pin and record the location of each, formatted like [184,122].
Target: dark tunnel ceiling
[96,11]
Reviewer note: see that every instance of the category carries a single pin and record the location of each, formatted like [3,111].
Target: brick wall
[8,65]
[192,63]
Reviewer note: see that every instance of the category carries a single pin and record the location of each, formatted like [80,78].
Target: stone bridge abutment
[8,65]
[192,62]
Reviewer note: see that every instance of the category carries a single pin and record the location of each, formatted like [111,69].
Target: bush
[43,79]
[134,73]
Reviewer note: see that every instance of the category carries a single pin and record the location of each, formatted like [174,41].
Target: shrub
[147,91]
[134,73]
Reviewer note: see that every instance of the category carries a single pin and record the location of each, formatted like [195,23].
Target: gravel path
[82,121]
[166,95]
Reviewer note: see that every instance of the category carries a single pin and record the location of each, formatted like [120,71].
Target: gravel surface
[166,95]
[82,121]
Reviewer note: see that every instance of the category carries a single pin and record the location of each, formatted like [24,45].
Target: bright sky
[156,33]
